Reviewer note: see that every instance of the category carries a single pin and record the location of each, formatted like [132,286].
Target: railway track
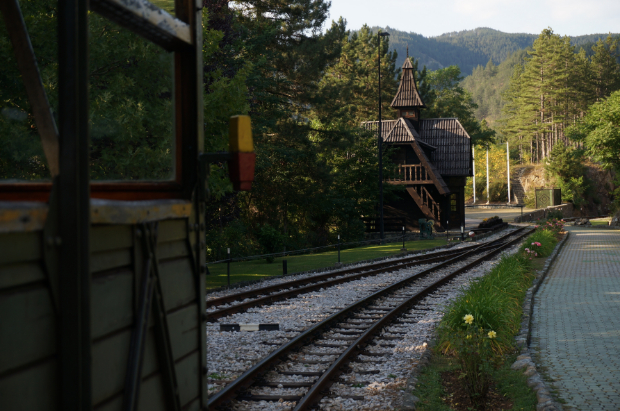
[326,350]
[239,302]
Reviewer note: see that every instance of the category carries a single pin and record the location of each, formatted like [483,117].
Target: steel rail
[277,287]
[256,372]
[385,267]
[314,394]
[308,280]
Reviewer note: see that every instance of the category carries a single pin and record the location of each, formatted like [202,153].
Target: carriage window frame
[182,35]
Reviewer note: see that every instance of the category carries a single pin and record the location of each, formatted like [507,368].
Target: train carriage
[102,294]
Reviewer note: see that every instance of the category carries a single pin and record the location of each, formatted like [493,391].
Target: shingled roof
[407,95]
[445,137]
[397,131]
[453,154]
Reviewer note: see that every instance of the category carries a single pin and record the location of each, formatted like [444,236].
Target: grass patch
[258,269]
[604,222]
[491,305]
[508,384]
[494,301]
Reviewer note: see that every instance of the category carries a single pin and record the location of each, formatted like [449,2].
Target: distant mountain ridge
[466,49]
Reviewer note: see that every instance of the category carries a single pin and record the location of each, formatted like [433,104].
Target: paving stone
[576,321]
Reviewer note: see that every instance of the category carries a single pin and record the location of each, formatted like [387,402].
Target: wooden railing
[429,202]
[411,173]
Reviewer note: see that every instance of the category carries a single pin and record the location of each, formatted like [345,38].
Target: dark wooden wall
[28,347]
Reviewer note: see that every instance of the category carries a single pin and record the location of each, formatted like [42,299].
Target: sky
[436,17]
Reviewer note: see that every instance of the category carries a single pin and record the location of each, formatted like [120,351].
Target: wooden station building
[434,158]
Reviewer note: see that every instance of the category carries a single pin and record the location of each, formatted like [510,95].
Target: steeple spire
[407,96]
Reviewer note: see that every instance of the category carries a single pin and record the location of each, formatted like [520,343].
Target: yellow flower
[468,318]
[468,337]
[492,334]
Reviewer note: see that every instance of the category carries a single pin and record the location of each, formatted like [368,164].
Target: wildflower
[468,336]
[492,334]
[527,249]
[468,318]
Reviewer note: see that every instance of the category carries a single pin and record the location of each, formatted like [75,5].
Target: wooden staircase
[427,204]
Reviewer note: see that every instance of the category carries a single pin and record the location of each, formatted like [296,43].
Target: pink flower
[527,249]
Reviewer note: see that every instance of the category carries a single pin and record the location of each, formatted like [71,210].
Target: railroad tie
[302,373]
[286,384]
[276,398]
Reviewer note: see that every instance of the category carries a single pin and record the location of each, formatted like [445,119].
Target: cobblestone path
[576,323]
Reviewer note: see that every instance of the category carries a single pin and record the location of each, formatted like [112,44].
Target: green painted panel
[27,327]
[21,273]
[188,377]
[183,327]
[110,237]
[110,358]
[18,247]
[115,404]
[172,230]
[152,395]
[107,260]
[193,406]
[112,302]
[177,283]
[109,365]
[33,388]
[173,249]
[110,355]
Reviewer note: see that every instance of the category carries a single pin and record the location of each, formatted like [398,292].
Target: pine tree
[605,68]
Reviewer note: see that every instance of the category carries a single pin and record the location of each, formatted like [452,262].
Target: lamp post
[380,140]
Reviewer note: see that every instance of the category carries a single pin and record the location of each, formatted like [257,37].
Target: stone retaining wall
[566,209]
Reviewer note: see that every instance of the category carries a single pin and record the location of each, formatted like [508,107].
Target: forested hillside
[487,83]
[466,49]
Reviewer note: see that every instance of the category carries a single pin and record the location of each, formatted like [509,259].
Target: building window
[452,202]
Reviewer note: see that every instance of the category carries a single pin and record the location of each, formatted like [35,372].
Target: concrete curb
[535,380]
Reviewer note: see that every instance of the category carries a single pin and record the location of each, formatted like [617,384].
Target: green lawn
[257,269]
[601,221]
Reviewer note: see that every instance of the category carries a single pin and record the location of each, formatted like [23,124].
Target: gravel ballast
[378,377]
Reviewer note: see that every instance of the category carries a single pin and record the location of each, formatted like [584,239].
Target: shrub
[494,300]
[234,236]
[270,240]
[490,222]
[498,191]
[555,215]
[476,358]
